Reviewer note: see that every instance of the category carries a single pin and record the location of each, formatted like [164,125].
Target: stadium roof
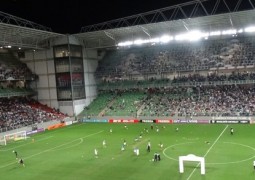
[194,15]
[18,32]
[203,15]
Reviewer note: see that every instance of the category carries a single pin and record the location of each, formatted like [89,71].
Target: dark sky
[68,16]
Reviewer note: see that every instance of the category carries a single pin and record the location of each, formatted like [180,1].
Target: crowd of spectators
[215,77]
[21,72]
[18,112]
[224,100]
[188,56]
[179,80]
[233,100]
[16,70]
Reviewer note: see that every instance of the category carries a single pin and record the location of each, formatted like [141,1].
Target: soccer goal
[15,136]
[191,157]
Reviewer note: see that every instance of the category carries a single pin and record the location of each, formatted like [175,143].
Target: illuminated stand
[191,157]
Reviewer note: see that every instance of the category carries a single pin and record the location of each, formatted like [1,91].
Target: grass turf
[68,153]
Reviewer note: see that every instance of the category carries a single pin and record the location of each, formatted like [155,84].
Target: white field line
[47,150]
[208,151]
[81,141]
[49,133]
[15,147]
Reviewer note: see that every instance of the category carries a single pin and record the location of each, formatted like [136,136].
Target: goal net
[15,136]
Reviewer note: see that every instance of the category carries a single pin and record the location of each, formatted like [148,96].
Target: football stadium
[163,94]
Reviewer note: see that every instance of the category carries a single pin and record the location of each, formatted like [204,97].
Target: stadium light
[230,32]
[139,41]
[215,33]
[194,35]
[126,43]
[191,36]
[166,38]
[240,31]
[154,40]
[250,29]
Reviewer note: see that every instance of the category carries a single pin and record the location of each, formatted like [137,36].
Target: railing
[122,85]
[12,94]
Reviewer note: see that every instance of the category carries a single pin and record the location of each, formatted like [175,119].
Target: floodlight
[126,43]
[215,33]
[240,31]
[250,29]
[230,31]
[138,41]
[166,38]
[194,35]
[155,40]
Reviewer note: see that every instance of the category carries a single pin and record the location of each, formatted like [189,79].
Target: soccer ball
[13,151]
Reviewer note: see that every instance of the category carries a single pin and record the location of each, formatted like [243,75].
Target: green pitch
[68,153]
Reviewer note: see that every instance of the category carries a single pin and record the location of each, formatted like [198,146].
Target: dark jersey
[16,154]
[21,161]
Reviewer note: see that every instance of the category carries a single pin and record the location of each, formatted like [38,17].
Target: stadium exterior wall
[90,63]
[41,62]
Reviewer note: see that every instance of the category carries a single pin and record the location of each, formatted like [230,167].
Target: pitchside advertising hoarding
[231,120]
[124,121]
[35,131]
[157,121]
[191,121]
[218,120]
[170,121]
[95,120]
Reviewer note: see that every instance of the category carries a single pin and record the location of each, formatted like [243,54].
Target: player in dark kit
[158,157]
[231,131]
[155,157]
[21,162]
[149,146]
[16,154]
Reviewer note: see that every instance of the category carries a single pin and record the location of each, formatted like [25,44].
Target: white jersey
[96,152]
[149,144]
[136,151]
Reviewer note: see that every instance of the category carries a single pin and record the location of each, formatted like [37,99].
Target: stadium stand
[17,109]
[200,88]
[12,69]
[190,56]
[223,100]
[17,112]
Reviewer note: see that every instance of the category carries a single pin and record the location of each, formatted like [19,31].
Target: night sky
[67,17]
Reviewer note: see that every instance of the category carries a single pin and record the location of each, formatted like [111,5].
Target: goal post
[191,157]
[21,135]
[2,141]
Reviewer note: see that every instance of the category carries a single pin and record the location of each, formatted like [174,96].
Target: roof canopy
[15,31]
[203,15]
